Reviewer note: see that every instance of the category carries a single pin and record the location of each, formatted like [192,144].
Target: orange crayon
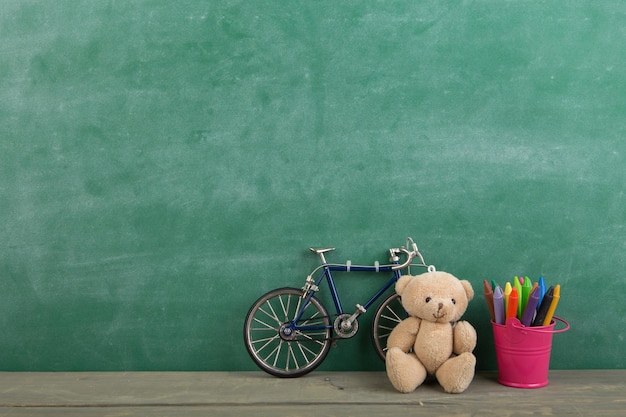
[511,308]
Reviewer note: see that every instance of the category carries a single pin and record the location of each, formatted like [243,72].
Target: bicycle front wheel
[387,316]
[279,350]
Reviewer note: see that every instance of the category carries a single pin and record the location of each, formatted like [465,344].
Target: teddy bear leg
[404,370]
[457,373]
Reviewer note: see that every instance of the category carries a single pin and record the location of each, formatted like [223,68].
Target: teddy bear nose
[440,306]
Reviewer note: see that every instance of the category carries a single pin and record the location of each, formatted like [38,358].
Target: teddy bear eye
[453,301]
[428,299]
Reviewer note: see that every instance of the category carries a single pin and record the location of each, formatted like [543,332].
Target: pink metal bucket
[523,353]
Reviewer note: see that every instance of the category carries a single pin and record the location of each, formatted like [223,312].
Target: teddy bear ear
[469,291]
[402,282]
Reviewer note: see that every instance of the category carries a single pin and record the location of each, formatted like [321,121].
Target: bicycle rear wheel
[387,316]
[269,341]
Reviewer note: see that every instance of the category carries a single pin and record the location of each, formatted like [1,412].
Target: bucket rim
[538,329]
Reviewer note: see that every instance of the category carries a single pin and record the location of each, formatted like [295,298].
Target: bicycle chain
[332,327]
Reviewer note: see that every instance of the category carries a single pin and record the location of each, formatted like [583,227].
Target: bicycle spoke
[267,341]
[314,316]
[303,348]
[293,356]
[395,317]
[267,326]
[273,315]
[277,350]
[299,304]
[382,336]
[304,355]
[308,337]
[285,309]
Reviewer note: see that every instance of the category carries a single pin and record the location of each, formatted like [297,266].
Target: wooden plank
[593,392]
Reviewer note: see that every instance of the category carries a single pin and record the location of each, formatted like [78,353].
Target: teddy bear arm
[404,334]
[464,337]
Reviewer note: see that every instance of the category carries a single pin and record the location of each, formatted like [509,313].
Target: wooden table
[570,393]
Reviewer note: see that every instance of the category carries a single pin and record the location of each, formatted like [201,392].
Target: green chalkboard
[163,164]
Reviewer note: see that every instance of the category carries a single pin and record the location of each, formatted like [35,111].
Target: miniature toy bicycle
[288,331]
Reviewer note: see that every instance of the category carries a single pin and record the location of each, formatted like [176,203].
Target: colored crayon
[556,295]
[507,293]
[498,305]
[531,307]
[526,287]
[518,286]
[542,292]
[489,298]
[544,307]
[511,310]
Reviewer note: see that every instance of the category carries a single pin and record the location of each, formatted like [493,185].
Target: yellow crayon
[555,301]
[507,292]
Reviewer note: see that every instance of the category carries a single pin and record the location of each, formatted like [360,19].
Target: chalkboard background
[163,164]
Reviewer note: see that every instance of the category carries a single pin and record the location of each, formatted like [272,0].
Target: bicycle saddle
[321,250]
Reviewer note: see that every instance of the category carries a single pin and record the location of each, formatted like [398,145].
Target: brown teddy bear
[432,340]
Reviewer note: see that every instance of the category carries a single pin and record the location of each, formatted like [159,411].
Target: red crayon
[511,309]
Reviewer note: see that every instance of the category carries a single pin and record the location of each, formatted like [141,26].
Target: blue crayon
[542,290]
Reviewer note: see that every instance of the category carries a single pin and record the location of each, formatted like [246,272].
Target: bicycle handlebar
[410,256]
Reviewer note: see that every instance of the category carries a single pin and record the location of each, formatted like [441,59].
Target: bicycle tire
[387,316]
[286,357]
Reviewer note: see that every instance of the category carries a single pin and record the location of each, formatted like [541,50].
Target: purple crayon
[498,305]
[531,306]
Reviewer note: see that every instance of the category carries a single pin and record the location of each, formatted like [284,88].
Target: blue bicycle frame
[312,286]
